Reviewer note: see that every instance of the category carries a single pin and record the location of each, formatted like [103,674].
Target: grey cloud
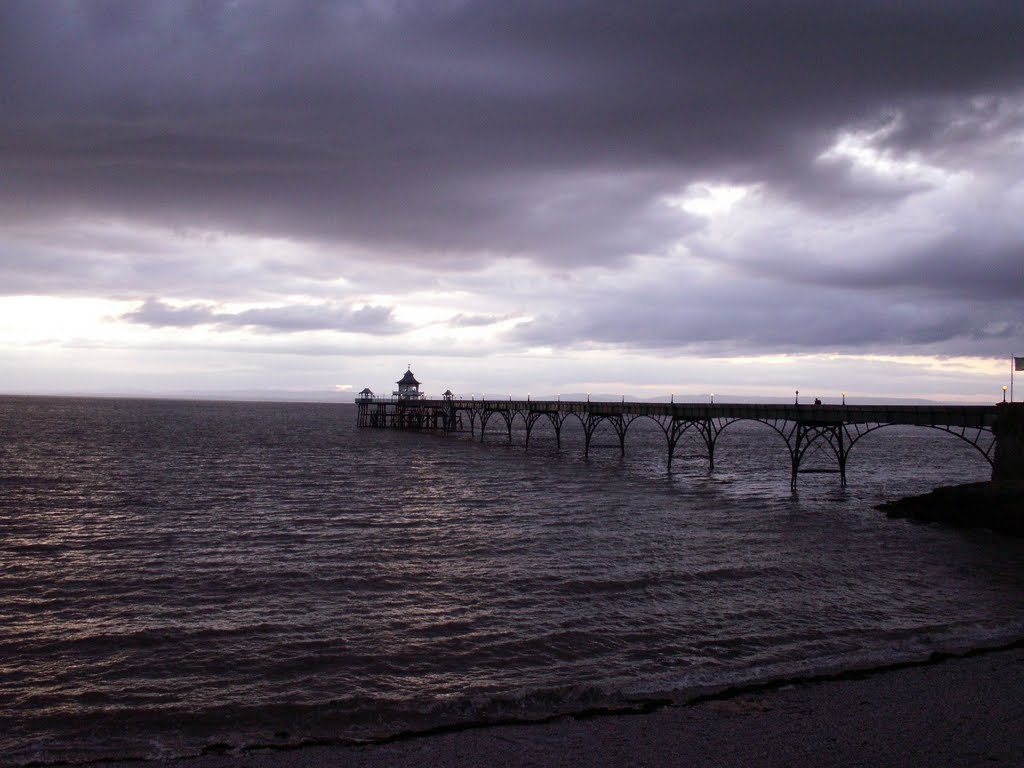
[955,268]
[288,319]
[442,128]
[955,129]
[951,268]
[154,312]
[367,319]
[68,257]
[463,320]
[757,315]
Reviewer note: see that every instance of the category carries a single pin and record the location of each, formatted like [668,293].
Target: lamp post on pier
[844,398]
[1004,393]
[797,400]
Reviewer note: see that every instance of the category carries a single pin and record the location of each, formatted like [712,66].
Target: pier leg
[842,455]
[672,438]
[707,430]
[589,427]
[794,452]
[620,424]
[672,433]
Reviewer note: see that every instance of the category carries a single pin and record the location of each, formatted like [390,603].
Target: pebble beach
[951,711]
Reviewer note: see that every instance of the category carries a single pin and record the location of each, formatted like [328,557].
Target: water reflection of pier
[833,428]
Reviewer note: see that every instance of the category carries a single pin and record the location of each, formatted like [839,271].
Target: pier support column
[1008,468]
[709,431]
[589,427]
[530,419]
[674,430]
[794,459]
[557,418]
[841,453]
[621,424]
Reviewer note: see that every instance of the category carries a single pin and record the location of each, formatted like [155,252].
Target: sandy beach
[960,711]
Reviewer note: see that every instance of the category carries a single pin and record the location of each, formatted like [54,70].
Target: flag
[1018,363]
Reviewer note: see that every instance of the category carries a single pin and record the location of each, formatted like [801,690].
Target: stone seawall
[1009,459]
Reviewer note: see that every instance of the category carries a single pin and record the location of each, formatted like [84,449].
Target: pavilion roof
[408,379]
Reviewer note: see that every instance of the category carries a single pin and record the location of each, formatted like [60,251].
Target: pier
[834,428]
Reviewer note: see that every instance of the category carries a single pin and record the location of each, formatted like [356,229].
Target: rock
[995,506]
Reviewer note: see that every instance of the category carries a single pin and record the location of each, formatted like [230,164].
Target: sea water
[185,576]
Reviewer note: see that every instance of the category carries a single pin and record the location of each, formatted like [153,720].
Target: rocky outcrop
[996,506]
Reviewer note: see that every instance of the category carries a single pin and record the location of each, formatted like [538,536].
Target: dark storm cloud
[979,268]
[449,136]
[461,126]
[954,128]
[289,319]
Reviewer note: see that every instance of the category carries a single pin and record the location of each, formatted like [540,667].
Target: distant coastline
[346,397]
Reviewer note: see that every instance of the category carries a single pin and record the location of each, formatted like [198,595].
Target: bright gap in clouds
[861,150]
[709,199]
[28,321]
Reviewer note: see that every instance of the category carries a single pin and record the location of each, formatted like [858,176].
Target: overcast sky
[626,198]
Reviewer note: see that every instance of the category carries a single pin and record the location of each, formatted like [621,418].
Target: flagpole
[1016,364]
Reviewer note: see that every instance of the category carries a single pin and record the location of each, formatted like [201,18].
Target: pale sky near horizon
[303,198]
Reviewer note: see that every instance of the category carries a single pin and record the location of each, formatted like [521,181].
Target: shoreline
[947,709]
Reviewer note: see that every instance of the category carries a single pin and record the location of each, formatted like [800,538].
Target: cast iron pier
[836,428]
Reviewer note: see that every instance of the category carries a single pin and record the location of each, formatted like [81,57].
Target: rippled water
[175,575]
